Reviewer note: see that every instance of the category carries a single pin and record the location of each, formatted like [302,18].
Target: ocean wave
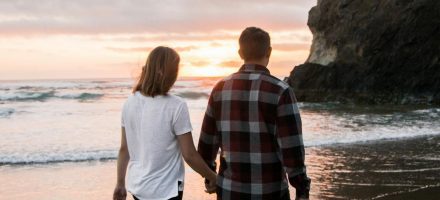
[371,136]
[193,95]
[32,88]
[43,158]
[82,96]
[27,96]
[431,112]
[6,112]
[43,96]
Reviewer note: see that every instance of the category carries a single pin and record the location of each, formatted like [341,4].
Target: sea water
[53,121]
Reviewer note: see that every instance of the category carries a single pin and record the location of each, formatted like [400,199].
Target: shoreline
[387,169]
[330,145]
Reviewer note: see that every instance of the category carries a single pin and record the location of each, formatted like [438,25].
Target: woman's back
[155,134]
[151,126]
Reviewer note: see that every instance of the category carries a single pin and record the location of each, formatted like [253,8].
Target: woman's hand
[123,158]
[195,161]
[120,193]
[211,184]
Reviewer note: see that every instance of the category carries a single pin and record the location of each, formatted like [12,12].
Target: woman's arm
[120,193]
[195,161]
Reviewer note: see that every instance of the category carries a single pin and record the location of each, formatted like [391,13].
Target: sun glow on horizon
[113,56]
[212,59]
[208,71]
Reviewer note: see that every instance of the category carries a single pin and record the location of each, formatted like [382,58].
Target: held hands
[120,193]
[211,184]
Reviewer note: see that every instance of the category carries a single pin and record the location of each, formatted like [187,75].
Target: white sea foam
[60,84]
[383,133]
[45,95]
[81,96]
[50,157]
[23,96]
[328,126]
[6,112]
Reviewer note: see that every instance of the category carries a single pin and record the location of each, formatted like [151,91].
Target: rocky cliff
[372,51]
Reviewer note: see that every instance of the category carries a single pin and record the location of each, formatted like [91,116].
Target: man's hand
[120,193]
[211,187]
[211,184]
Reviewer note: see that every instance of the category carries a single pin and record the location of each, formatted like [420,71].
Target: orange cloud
[130,50]
[231,63]
[185,48]
[291,46]
[199,63]
[147,49]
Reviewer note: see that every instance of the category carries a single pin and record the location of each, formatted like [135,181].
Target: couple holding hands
[251,116]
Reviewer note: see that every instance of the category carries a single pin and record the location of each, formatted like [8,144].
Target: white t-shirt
[151,127]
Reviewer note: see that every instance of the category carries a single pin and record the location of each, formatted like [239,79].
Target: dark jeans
[178,197]
[278,195]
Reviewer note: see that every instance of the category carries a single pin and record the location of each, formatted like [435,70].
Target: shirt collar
[254,68]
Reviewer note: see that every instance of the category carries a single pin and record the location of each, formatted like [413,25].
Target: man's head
[255,46]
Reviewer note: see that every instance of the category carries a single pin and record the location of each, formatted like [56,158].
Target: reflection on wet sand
[380,170]
[399,169]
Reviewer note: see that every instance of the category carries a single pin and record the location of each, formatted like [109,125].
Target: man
[254,119]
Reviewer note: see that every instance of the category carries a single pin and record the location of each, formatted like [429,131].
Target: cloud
[147,49]
[199,63]
[185,48]
[291,46]
[217,44]
[231,63]
[167,37]
[130,50]
[141,16]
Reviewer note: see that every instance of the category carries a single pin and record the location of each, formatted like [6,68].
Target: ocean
[53,123]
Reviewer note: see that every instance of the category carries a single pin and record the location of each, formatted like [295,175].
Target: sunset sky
[55,39]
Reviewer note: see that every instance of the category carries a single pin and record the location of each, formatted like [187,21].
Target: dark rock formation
[378,51]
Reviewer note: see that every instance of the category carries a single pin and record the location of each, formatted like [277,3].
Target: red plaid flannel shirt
[254,119]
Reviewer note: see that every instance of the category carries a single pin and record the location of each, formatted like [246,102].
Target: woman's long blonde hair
[159,73]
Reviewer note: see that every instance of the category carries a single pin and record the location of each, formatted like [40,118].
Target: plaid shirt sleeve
[209,142]
[291,147]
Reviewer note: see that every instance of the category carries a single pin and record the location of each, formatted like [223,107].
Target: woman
[156,132]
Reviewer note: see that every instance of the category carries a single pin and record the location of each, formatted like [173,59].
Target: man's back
[253,117]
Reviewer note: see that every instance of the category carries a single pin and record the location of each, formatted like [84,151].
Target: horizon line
[97,78]
[102,78]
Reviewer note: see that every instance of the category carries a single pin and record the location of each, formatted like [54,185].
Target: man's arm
[289,137]
[209,142]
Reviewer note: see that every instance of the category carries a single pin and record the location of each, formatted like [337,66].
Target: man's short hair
[254,43]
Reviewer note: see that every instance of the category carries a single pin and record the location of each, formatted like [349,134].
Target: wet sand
[396,169]
[377,170]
